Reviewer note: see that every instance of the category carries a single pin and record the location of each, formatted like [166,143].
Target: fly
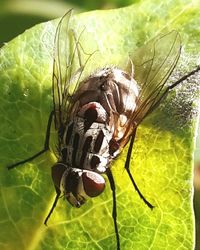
[96,117]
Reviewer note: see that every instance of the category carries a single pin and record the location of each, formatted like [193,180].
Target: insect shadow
[96,117]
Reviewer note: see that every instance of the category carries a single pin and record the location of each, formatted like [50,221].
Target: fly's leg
[114,212]
[46,145]
[57,172]
[58,192]
[183,78]
[127,165]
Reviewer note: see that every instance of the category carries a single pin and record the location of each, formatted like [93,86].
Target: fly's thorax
[86,145]
[78,185]
[93,112]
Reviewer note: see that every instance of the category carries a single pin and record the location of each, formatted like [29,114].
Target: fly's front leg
[57,172]
[127,165]
[58,192]
[114,212]
[46,145]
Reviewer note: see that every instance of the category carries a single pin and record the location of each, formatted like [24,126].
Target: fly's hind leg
[127,165]
[46,145]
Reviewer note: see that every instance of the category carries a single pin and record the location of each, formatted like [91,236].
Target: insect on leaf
[162,160]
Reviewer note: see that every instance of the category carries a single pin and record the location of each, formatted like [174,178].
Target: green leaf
[162,156]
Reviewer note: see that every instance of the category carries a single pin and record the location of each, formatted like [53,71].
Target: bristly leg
[127,165]
[114,212]
[169,88]
[58,192]
[57,172]
[46,145]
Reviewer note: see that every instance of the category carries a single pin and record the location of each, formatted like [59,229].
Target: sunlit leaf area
[165,160]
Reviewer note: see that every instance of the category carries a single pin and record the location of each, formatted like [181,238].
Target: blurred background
[19,15]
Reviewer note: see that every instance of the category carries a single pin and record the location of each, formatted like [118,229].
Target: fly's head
[78,185]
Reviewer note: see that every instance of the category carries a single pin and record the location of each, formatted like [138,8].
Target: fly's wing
[154,63]
[66,72]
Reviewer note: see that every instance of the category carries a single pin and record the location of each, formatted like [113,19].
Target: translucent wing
[153,64]
[66,72]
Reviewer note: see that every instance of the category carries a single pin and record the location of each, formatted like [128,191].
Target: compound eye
[93,183]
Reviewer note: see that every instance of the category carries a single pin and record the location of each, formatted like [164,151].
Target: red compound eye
[93,183]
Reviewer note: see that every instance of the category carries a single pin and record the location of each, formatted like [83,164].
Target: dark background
[19,15]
